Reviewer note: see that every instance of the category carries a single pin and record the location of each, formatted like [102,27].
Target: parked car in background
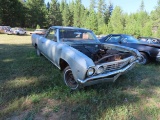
[16,31]
[39,32]
[82,58]
[147,50]
[4,29]
[149,40]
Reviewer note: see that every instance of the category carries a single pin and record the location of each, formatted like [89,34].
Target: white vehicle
[84,60]
[16,31]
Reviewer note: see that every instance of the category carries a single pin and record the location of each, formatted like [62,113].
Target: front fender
[78,62]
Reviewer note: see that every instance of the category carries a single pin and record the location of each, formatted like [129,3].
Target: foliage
[36,13]
[99,17]
[37,27]
[116,20]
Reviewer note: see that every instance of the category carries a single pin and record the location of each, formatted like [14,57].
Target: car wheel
[145,59]
[69,79]
[17,33]
[38,52]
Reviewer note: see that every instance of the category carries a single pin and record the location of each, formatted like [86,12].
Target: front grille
[116,65]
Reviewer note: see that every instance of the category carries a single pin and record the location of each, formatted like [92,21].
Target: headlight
[90,71]
[158,54]
[100,70]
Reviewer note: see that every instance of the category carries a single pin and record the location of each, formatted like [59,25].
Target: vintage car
[148,51]
[39,32]
[82,58]
[16,31]
[4,29]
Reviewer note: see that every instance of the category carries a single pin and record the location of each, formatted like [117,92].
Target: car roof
[68,27]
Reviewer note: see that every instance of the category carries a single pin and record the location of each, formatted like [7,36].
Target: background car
[39,31]
[147,50]
[16,31]
[4,29]
[149,40]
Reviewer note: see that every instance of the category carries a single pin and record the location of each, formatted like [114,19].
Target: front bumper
[106,77]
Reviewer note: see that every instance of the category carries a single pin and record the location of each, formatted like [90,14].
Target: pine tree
[54,15]
[91,22]
[100,13]
[116,20]
[92,4]
[77,14]
[36,13]
[71,9]
[142,6]
[9,12]
[66,15]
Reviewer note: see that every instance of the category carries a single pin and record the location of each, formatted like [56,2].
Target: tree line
[99,17]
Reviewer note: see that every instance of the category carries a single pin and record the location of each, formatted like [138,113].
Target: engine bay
[99,54]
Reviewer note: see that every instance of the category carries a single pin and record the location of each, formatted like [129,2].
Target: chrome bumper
[106,77]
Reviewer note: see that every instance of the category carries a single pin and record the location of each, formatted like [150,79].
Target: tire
[38,52]
[17,33]
[145,58]
[69,79]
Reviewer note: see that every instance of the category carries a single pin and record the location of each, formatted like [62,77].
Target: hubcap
[69,79]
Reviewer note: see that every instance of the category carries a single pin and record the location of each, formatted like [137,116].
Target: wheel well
[63,64]
[145,53]
[35,45]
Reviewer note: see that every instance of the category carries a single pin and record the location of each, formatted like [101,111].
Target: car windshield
[129,39]
[76,35]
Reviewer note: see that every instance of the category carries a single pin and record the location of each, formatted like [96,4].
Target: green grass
[33,88]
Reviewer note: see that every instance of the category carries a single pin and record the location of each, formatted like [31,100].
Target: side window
[114,39]
[51,35]
[124,40]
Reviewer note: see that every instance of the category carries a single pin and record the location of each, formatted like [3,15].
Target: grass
[32,88]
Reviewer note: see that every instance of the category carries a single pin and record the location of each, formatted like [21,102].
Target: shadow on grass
[24,74]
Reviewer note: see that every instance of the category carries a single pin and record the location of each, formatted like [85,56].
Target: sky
[128,6]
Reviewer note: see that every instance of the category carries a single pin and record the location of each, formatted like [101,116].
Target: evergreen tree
[142,6]
[54,15]
[66,15]
[130,24]
[48,6]
[155,16]
[158,32]
[107,15]
[100,13]
[9,12]
[36,13]
[92,4]
[71,9]
[77,14]
[147,29]
[84,16]
[91,21]
[116,20]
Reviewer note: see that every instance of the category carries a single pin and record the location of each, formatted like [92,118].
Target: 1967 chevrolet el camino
[82,58]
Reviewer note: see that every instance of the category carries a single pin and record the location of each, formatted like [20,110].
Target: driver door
[50,44]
